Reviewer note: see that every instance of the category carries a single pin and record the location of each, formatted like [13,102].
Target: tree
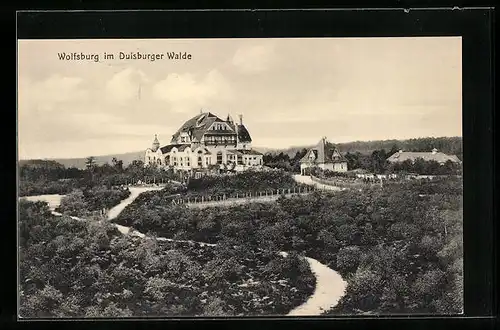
[74,204]
[90,163]
[394,149]
[348,259]
[378,160]
[353,161]
[117,164]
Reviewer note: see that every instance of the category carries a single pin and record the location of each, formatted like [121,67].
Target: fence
[238,196]
[339,184]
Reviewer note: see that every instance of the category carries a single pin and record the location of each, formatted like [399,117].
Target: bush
[82,203]
[391,232]
[96,272]
[348,259]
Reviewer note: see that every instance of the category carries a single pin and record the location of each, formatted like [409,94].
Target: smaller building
[324,156]
[434,155]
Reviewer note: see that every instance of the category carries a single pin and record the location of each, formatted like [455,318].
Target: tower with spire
[156,144]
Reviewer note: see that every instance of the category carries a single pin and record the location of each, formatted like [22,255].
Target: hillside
[127,158]
[451,145]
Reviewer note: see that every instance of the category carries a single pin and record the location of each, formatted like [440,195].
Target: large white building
[207,142]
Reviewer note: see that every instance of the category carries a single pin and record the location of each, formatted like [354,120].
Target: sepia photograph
[239,177]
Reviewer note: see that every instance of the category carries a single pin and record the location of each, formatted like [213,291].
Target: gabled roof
[197,126]
[324,152]
[427,156]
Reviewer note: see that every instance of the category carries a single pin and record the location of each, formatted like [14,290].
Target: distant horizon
[290,91]
[255,147]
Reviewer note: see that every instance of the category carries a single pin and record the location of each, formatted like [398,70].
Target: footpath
[330,286]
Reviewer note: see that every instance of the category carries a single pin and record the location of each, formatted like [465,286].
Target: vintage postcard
[240,177]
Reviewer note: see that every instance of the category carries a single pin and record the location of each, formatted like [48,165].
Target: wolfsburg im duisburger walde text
[80,56]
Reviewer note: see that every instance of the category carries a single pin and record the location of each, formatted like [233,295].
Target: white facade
[202,146]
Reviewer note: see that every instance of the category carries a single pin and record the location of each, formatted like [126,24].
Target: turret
[156,144]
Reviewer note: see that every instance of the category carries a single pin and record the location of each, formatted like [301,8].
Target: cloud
[184,91]
[46,94]
[253,59]
[124,85]
[78,126]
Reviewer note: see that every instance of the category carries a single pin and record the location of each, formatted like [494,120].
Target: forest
[71,268]
[394,261]
[372,155]
[398,246]
[48,177]
[82,203]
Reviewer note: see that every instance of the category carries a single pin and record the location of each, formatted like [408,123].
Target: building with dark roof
[207,140]
[325,156]
[433,155]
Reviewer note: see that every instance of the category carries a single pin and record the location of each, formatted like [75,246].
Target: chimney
[241,119]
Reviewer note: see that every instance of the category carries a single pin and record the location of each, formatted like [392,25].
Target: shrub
[348,259]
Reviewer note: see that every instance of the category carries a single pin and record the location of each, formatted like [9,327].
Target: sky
[291,92]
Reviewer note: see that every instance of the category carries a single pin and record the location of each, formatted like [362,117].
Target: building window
[260,162]
[159,161]
[175,161]
[188,161]
[219,157]
[200,162]
[240,159]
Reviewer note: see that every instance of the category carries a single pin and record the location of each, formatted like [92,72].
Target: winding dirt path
[134,193]
[330,286]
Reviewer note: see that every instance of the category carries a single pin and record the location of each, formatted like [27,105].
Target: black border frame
[474,25]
